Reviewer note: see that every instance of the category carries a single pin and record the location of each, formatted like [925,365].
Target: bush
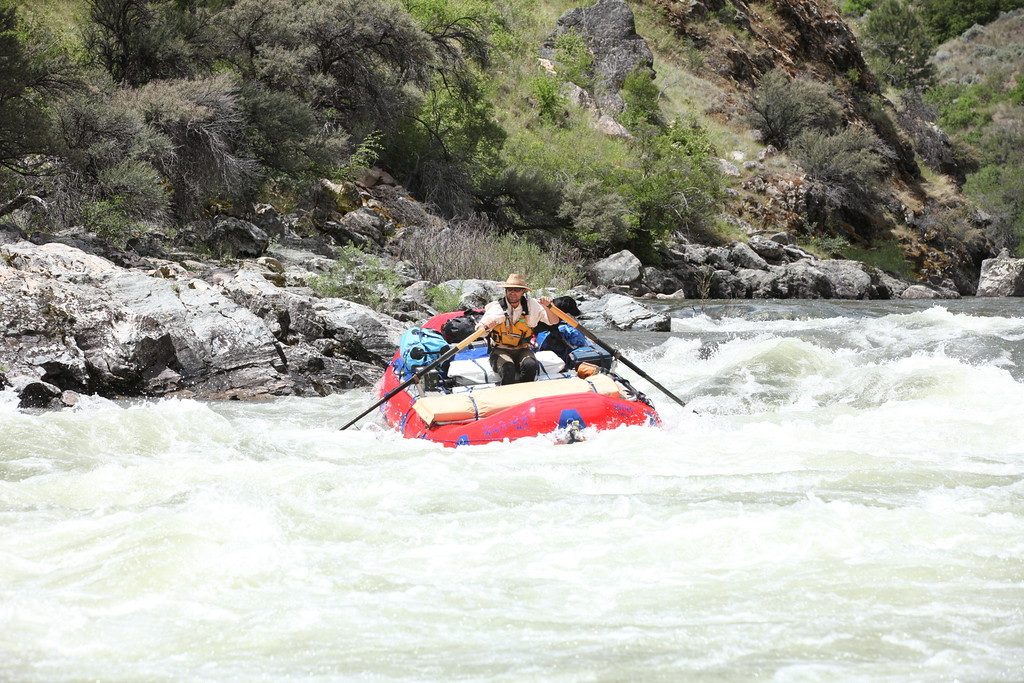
[888,256]
[949,18]
[575,60]
[547,93]
[846,164]
[782,108]
[598,218]
[521,199]
[640,94]
[204,120]
[856,8]
[471,250]
[107,219]
[997,189]
[674,187]
[141,41]
[360,277]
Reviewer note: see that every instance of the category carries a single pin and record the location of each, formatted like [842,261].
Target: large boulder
[622,268]
[1002,276]
[623,313]
[611,35]
[237,238]
[610,31]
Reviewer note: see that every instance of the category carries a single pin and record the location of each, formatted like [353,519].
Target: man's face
[514,294]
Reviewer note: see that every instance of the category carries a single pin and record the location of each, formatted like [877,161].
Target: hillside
[508,116]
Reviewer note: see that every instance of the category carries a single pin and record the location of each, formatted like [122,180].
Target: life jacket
[511,334]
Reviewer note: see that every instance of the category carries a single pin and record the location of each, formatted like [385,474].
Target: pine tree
[898,46]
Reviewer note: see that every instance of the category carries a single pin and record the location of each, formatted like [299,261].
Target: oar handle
[615,352]
[419,373]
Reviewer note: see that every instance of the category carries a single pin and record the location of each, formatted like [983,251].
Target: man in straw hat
[510,321]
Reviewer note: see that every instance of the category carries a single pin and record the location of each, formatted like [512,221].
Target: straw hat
[516,280]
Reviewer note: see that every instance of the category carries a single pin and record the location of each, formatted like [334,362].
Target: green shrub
[887,256]
[575,59]
[846,164]
[444,299]
[781,108]
[108,220]
[471,250]
[856,8]
[949,18]
[640,94]
[138,188]
[547,93]
[361,277]
[672,187]
[598,217]
[997,189]
[963,107]
[361,159]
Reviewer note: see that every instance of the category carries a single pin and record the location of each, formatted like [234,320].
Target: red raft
[463,405]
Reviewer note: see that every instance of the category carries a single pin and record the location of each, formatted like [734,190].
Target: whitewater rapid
[842,498]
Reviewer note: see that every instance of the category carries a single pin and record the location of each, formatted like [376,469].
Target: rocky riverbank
[81,317]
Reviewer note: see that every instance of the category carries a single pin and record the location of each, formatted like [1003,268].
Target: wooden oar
[419,373]
[615,353]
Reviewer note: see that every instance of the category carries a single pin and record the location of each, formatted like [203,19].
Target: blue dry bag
[419,347]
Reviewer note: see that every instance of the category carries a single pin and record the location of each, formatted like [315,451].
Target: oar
[575,323]
[419,373]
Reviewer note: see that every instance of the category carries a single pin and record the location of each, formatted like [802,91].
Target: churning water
[842,499]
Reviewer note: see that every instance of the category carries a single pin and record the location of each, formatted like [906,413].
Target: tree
[358,63]
[35,70]
[137,41]
[675,186]
[847,165]
[898,46]
[949,18]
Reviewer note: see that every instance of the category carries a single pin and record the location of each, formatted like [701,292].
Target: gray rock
[368,224]
[81,324]
[766,248]
[622,268]
[623,313]
[920,292]
[611,35]
[35,393]
[237,238]
[849,278]
[743,256]
[1002,276]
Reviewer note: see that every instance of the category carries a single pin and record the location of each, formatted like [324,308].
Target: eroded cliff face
[742,40]
[800,36]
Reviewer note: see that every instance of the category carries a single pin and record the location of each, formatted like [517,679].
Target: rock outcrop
[1002,276]
[609,29]
[79,322]
[763,268]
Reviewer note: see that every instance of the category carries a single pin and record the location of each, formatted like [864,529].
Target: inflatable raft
[459,402]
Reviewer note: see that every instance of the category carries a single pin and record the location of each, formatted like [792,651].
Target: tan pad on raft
[478,404]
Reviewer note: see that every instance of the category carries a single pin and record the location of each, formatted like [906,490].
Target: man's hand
[545,301]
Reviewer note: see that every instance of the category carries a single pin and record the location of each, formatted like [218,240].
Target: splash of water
[841,499]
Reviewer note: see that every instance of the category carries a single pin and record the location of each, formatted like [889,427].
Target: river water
[842,499]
